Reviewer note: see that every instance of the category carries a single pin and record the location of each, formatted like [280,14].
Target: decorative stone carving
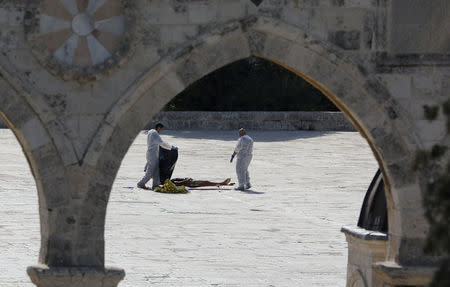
[79,39]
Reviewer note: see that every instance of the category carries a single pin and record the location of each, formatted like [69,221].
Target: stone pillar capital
[44,276]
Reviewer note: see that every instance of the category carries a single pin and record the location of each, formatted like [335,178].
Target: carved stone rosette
[80,40]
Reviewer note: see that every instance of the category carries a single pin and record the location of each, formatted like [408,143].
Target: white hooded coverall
[154,141]
[244,151]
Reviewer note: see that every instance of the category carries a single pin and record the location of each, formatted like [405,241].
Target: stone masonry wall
[317,121]
[289,121]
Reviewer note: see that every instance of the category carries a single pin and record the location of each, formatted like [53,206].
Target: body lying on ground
[189,182]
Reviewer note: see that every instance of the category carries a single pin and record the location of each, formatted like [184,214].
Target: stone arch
[354,89]
[46,167]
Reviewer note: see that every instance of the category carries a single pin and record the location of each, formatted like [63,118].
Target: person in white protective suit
[154,141]
[244,152]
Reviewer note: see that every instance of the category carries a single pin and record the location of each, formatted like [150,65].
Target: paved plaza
[282,232]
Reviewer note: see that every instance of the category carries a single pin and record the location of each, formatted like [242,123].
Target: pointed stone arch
[356,91]
[44,161]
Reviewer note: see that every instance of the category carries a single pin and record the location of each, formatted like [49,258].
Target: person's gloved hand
[232,157]
[175,148]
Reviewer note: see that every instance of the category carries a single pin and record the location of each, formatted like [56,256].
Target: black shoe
[143,187]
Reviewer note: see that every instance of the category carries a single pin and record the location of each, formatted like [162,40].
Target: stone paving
[283,232]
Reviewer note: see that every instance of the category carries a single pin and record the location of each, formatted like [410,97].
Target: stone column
[44,276]
[72,217]
[72,205]
[365,247]
[406,263]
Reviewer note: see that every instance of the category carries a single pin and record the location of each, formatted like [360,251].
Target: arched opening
[361,96]
[251,84]
[308,180]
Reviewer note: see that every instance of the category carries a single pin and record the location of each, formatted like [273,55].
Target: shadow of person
[249,191]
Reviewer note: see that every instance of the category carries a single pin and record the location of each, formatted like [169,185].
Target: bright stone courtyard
[283,232]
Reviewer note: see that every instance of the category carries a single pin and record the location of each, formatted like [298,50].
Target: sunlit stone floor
[284,232]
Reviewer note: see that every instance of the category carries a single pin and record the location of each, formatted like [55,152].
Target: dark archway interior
[251,84]
[373,214]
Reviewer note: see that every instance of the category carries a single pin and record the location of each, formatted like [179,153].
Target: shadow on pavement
[259,136]
[249,191]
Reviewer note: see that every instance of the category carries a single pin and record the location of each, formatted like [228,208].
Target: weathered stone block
[35,133]
[445,87]
[165,12]
[97,145]
[346,19]
[256,41]
[112,88]
[411,11]
[279,29]
[43,276]
[271,8]
[151,35]
[409,221]
[401,173]
[399,86]
[317,26]
[391,150]
[426,83]
[322,72]
[230,9]
[413,20]
[297,16]
[277,49]
[176,34]
[391,274]
[10,16]
[62,142]
[232,48]
[11,38]
[347,40]
[300,58]
[431,131]
[202,12]
[49,175]
[14,110]
[377,90]
[189,72]
[87,128]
